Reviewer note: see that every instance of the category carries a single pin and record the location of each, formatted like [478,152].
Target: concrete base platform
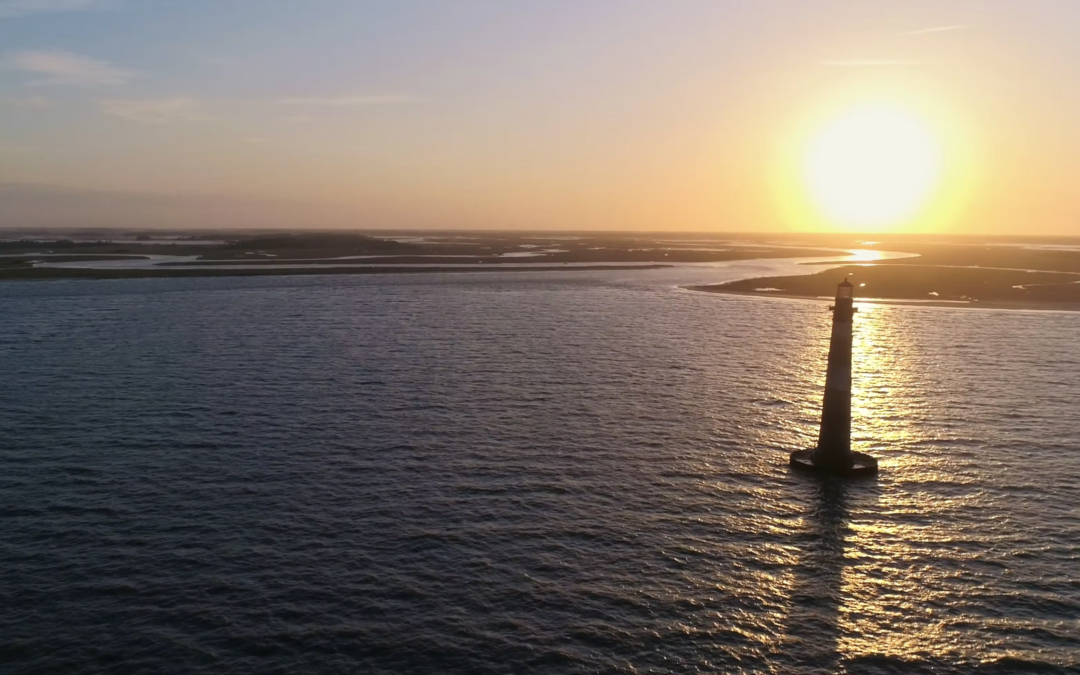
[864,465]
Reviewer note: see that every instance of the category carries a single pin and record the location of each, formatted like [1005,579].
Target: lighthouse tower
[833,452]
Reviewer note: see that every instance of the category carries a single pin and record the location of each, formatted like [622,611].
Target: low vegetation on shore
[927,284]
[975,272]
[220,254]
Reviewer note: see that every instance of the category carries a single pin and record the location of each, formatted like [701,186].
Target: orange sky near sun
[558,115]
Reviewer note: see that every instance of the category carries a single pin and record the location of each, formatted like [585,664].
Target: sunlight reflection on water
[582,472]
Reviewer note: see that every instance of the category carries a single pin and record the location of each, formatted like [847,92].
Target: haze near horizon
[945,117]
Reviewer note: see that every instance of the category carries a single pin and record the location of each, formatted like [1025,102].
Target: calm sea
[525,473]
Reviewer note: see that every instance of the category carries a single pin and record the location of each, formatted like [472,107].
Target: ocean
[569,472]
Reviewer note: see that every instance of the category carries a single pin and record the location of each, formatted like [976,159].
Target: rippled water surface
[525,472]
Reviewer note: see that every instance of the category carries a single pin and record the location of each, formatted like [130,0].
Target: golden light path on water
[584,471]
[862,563]
[882,580]
[898,568]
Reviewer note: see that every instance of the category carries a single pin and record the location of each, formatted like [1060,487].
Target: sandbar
[923,285]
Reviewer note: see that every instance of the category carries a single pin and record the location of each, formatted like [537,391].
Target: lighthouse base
[863,465]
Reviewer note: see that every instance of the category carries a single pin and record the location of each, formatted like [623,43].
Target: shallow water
[530,473]
[157,261]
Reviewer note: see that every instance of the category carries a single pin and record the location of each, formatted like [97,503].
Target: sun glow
[872,167]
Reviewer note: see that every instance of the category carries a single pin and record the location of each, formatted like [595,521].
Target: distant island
[1011,273]
[126,255]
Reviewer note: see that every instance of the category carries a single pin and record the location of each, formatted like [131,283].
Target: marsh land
[993,274]
[106,254]
[984,272]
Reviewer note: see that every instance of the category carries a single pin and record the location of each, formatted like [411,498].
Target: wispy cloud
[179,109]
[10,9]
[59,67]
[156,111]
[873,63]
[28,102]
[349,101]
[939,29]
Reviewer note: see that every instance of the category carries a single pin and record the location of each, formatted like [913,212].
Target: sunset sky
[554,114]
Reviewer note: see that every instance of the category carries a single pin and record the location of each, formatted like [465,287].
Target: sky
[681,115]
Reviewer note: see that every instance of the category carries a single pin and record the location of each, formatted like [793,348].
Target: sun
[872,167]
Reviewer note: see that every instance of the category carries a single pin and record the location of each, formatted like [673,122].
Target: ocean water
[570,472]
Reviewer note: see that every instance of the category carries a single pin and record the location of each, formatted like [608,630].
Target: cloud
[349,101]
[66,68]
[28,102]
[14,8]
[939,29]
[872,63]
[183,109]
[30,205]
[156,111]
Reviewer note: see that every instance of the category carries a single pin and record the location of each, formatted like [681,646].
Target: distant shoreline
[75,273]
[334,253]
[922,286]
[895,302]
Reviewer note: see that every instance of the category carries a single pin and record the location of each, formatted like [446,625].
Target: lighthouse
[833,454]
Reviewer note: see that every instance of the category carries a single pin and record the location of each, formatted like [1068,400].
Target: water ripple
[582,472]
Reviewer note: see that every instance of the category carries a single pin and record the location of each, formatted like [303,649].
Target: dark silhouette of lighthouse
[833,452]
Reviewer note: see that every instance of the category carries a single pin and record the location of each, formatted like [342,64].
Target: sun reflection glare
[879,587]
[867,255]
